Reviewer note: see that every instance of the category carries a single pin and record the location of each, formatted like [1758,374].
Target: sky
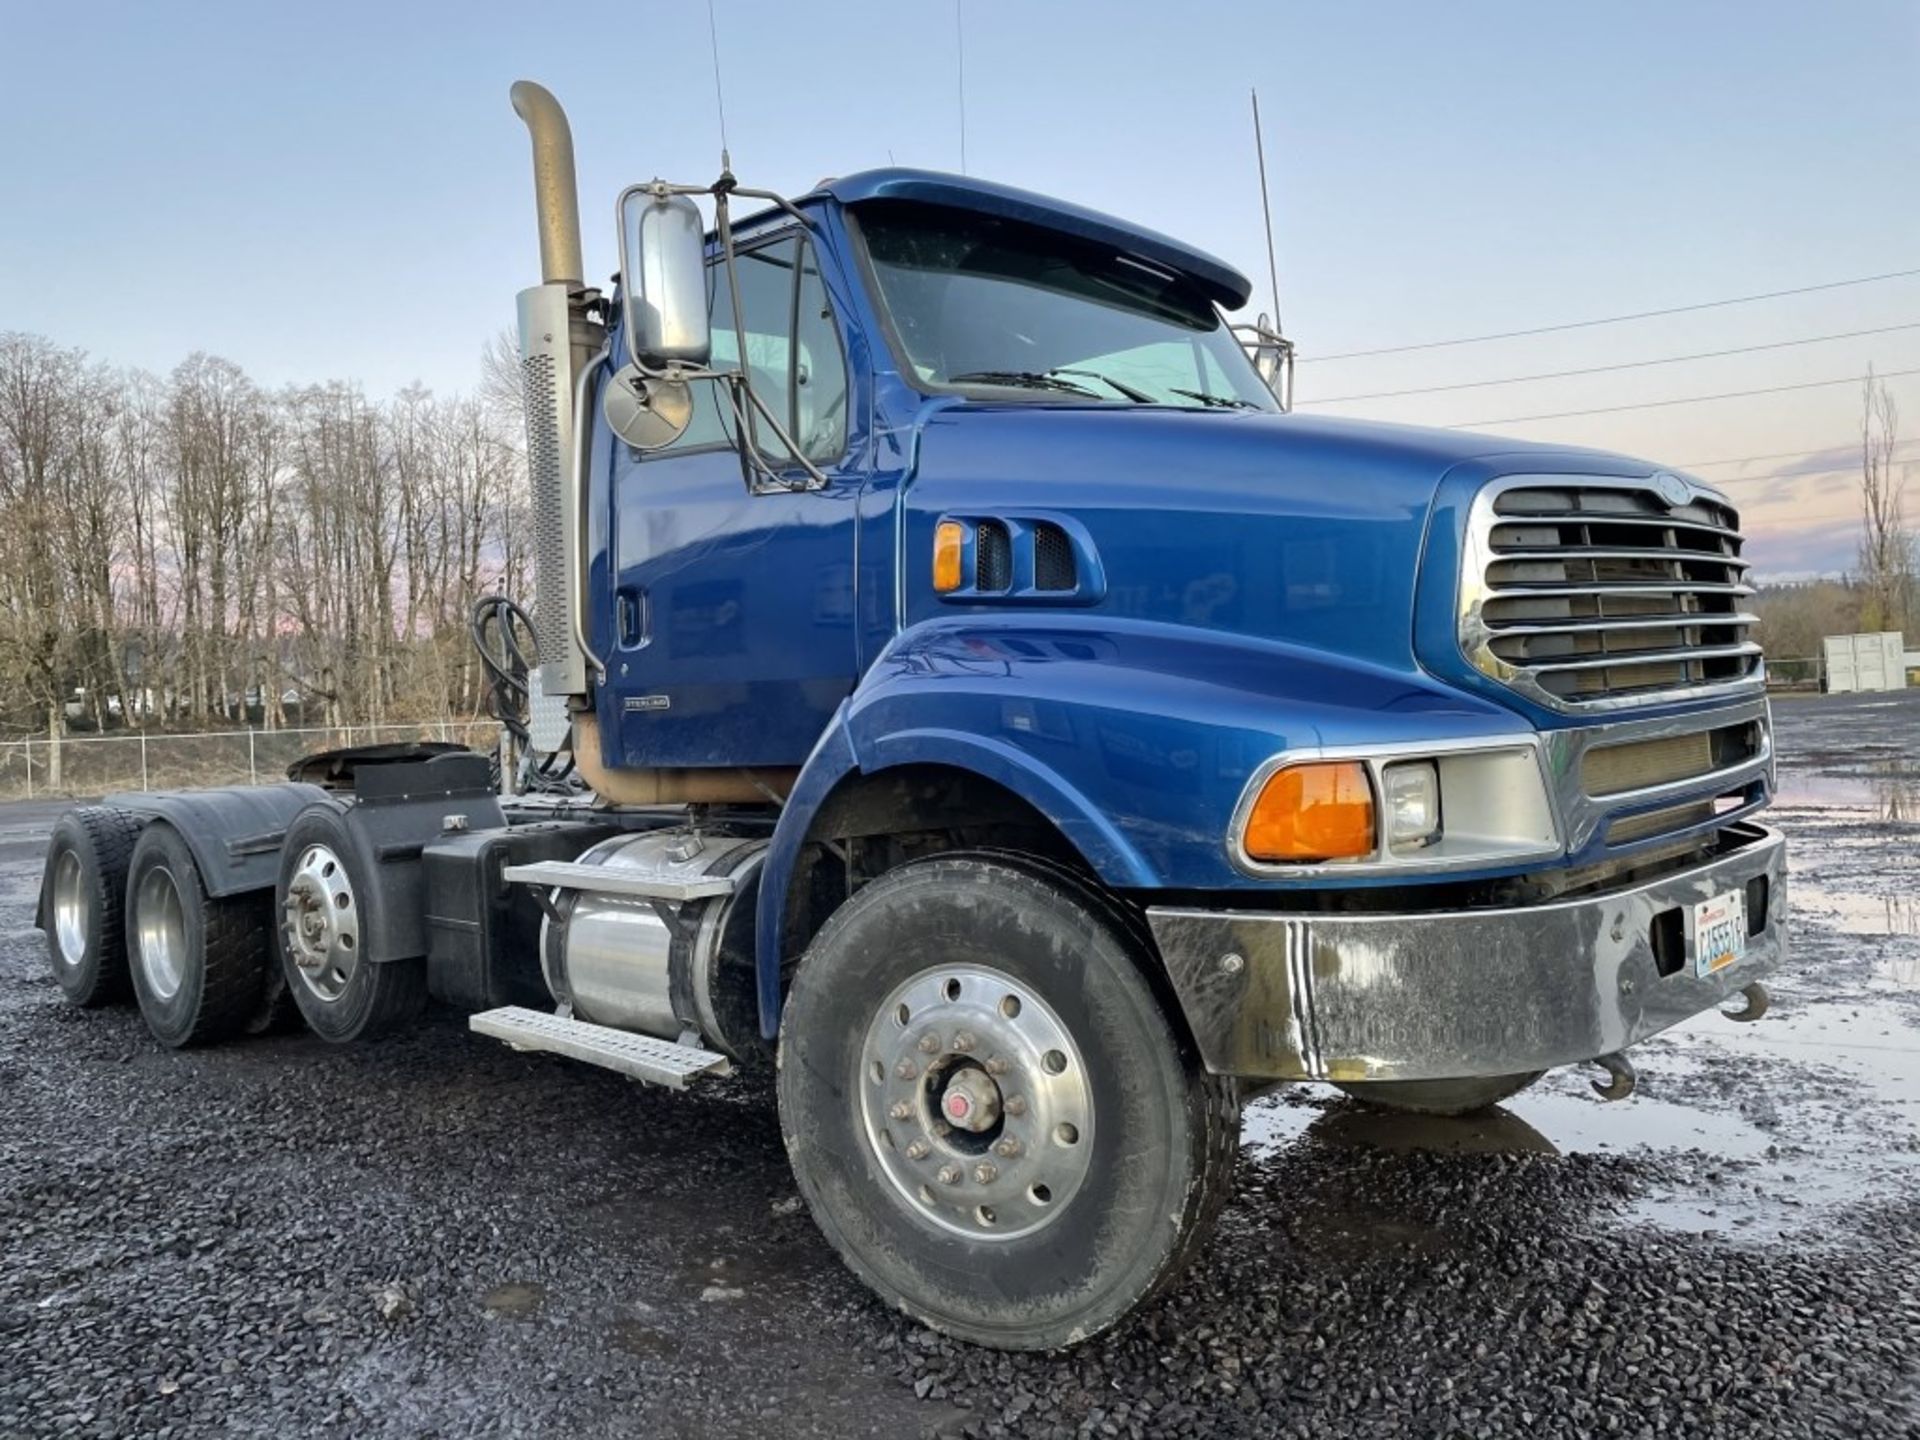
[341,190]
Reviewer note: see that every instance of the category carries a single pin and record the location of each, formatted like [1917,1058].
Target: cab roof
[1219,281]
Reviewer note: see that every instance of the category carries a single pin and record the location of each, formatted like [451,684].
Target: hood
[1303,529]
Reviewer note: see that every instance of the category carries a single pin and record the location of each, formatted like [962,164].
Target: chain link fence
[101,764]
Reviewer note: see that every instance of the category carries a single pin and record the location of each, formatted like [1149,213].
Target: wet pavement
[439,1237]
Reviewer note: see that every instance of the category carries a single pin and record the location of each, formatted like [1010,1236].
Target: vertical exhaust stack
[558,337]
[556,197]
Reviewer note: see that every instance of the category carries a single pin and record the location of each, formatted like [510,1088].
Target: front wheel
[988,1111]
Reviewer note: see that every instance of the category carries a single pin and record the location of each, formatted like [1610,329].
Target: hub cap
[161,932]
[322,923]
[69,909]
[976,1103]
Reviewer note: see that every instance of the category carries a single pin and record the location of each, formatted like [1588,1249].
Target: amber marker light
[948,537]
[1313,812]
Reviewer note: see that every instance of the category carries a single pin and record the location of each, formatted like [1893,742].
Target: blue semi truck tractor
[989,708]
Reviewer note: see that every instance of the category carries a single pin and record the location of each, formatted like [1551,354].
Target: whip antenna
[719,95]
[960,66]
[1266,211]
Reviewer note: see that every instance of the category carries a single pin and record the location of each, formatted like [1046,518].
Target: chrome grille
[1592,593]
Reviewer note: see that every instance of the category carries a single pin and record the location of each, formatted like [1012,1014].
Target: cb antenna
[719,94]
[1266,212]
[960,78]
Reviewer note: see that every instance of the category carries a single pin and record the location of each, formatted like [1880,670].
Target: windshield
[983,304]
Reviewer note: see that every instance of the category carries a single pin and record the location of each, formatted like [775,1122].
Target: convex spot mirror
[647,411]
[663,269]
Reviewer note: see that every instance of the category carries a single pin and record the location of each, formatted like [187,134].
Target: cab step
[658,1062]
[611,880]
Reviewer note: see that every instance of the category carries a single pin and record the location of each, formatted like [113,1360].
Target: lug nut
[1015,1105]
[963,1042]
[900,1110]
[942,1129]
[949,1175]
[985,1173]
[1007,1148]
[996,1065]
[918,1150]
[906,1070]
[930,1043]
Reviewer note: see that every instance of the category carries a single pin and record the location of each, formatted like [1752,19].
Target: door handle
[630,611]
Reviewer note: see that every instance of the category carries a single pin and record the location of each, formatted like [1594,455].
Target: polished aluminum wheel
[976,1103]
[71,909]
[322,923]
[160,932]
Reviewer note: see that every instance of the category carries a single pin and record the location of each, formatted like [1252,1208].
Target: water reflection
[1889,788]
[1496,1132]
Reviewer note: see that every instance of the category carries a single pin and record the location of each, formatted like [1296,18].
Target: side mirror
[1272,357]
[663,271]
[649,412]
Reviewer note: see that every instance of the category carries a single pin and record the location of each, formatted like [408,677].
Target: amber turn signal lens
[948,536]
[1321,811]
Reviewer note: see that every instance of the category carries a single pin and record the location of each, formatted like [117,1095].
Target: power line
[1616,319]
[1682,400]
[1785,454]
[1605,369]
[1777,475]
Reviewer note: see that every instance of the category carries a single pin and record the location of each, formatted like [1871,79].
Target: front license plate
[1719,932]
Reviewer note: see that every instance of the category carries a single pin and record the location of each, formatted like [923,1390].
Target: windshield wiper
[1139,397]
[1030,379]
[1215,402]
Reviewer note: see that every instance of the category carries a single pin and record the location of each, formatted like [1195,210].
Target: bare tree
[1886,545]
[191,548]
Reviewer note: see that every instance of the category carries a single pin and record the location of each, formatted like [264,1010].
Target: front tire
[198,963]
[988,1110]
[1440,1097]
[86,889]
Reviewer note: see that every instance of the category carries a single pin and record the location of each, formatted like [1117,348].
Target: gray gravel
[436,1236]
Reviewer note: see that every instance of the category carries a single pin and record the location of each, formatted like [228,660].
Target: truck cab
[997,713]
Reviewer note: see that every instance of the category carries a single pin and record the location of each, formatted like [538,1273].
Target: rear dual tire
[86,889]
[197,962]
[1016,987]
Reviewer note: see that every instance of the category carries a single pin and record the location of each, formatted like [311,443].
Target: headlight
[1412,803]
[1414,808]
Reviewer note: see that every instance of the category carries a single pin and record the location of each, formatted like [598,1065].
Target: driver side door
[733,611]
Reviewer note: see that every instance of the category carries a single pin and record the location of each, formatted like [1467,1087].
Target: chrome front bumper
[1450,994]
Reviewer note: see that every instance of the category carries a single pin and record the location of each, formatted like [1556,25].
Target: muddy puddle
[1755,1132]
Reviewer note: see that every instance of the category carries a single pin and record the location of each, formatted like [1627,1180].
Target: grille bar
[1655,657]
[1575,624]
[1531,588]
[1665,556]
[1595,593]
[1692,526]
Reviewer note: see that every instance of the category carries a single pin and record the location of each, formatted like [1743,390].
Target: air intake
[1053,567]
[993,557]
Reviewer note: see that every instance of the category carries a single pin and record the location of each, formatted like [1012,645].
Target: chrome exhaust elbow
[555,194]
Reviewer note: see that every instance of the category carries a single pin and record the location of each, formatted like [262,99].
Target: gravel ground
[436,1236]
